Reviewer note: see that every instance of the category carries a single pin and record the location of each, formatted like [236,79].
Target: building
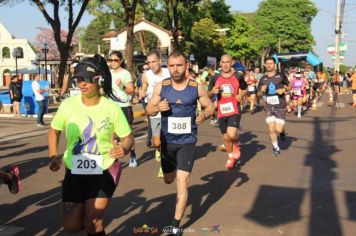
[8,44]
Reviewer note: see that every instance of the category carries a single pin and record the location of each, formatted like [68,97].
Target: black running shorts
[177,157]
[229,121]
[79,188]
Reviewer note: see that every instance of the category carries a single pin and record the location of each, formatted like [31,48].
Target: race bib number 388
[179,125]
[87,164]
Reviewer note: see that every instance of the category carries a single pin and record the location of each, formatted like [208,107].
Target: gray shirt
[279,80]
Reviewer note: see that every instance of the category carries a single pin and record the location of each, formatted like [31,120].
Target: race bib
[273,100]
[251,88]
[87,164]
[297,92]
[74,92]
[179,125]
[227,108]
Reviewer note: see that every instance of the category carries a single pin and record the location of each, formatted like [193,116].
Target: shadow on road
[3,148]
[43,221]
[26,151]
[158,212]
[280,205]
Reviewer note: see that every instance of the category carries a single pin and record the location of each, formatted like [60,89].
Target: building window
[20,52]
[5,52]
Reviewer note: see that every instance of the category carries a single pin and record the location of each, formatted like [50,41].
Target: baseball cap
[85,69]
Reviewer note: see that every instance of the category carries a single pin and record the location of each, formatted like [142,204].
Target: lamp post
[38,61]
[16,53]
[45,51]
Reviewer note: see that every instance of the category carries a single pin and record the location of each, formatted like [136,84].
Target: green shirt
[90,129]
[125,77]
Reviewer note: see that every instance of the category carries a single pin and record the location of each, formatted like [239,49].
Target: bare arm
[206,104]
[53,140]
[129,88]
[143,91]
[156,105]
[121,149]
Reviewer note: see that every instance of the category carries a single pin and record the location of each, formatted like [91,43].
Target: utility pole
[338,21]
[279,51]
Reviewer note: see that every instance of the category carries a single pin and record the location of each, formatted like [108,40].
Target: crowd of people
[98,123]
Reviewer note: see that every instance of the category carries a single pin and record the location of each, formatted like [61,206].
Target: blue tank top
[178,123]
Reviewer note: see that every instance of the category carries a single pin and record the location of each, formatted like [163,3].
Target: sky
[22,21]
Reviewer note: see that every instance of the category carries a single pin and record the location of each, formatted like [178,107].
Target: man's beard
[178,77]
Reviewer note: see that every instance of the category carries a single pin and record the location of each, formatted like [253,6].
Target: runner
[150,79]
[92,169]
[297,85]
[353,88]
[251,81]
[227,88]
[272,87]
[176,99]
[11,177]
[123,89]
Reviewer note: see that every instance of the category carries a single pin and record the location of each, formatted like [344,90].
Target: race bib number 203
[87,164]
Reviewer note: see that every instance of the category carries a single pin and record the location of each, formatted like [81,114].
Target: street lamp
[16,53]
[38,61]
[45,51]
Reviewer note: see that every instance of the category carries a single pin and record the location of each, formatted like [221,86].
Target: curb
[50,116]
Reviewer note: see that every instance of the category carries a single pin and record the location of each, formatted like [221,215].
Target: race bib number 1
[87,164]
[227,108]
[179,125]
[273,100]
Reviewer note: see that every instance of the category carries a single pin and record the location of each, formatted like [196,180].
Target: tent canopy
[238,66]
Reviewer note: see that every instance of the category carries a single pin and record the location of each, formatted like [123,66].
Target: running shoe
[160,173]
[299,115]
[133,162]
[40,125]
[230,163]
[14,183]
[283,136]
[158,155]
[276,151]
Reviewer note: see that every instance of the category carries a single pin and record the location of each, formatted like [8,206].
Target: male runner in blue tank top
[176,98]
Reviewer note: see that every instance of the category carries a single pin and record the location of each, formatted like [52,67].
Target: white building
[7,60]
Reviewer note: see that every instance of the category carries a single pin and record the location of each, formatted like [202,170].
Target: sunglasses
[113,60]
[146,68]
[87,79]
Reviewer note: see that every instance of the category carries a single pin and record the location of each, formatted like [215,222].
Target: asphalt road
[308,190]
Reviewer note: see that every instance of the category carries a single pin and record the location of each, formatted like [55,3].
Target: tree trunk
[62,66]
[130,39]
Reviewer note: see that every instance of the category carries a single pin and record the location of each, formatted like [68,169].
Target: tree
[47,35]
[239,42]
[55,23]
[284,26]
[128,8]
[207,41]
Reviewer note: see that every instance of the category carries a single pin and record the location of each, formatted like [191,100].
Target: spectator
[15,89]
